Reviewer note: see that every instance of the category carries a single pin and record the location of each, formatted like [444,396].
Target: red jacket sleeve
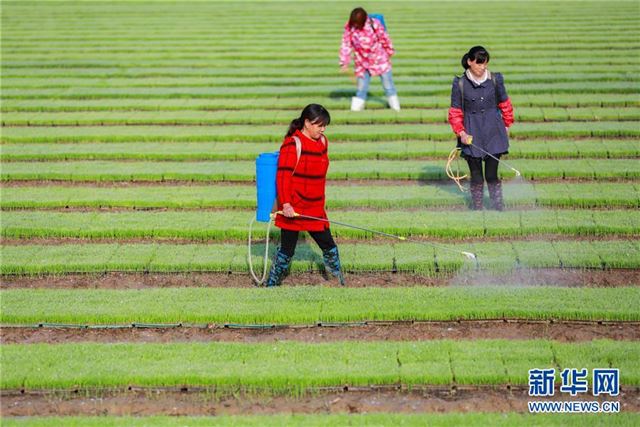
[287,161]
[456,119]
[507,112]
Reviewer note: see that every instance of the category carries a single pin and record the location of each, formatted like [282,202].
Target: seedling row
[352,150]
[274,133]
[220,225]
[559,195]
[414,51]
[27,259]
[534,69]
[202,118]
[296,367]
[37,82]
[556,100]
[423,170]
[308,305]
[295,91]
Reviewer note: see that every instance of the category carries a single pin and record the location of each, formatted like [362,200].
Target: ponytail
[465,58]
[296,124]
[315,113]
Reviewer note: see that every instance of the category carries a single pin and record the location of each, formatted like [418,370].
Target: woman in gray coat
[480,115]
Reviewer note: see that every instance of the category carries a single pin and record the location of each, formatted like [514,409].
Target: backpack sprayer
[454,155]
[266,168]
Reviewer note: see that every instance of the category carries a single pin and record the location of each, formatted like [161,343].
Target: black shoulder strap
[495,86]
[461,86]
[374,30]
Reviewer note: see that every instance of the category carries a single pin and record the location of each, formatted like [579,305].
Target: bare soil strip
[521,277]
[152,402]
[563,331]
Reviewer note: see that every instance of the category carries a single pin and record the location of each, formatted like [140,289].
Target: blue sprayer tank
[266,168]
[379,17]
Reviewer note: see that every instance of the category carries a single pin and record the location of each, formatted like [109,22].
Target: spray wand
[494,157]
[469,255]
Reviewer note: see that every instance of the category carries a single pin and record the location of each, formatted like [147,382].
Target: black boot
[279,268]
[331,259]
[477,193]
[495,193]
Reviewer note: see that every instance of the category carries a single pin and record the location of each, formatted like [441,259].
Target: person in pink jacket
[372,49]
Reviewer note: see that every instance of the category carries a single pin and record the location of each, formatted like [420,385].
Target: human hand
[287,210]
[465,138]
[344,68]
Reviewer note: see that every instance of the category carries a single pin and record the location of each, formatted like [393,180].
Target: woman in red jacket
[300,183]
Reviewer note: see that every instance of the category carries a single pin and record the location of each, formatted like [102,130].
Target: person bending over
[372,50]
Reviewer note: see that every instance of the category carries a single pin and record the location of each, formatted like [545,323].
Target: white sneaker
[357,104]
[394,102]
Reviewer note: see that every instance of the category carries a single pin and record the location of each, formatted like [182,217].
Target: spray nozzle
[469,255]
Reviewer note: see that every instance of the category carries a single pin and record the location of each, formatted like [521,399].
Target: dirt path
[521,277]
[565,331]
[147,402]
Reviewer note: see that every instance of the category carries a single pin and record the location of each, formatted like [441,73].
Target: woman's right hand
[465,138]
[287,210]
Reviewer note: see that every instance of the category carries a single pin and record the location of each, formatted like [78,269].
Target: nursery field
[127,185]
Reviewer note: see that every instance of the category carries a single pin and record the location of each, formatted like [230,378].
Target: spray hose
[259,282]
[454,155]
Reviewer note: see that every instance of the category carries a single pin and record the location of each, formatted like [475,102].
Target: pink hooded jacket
[372,48]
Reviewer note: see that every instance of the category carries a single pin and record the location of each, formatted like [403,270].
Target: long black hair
[476,54]
[315,113]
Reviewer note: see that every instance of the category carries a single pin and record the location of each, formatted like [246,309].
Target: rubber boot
[279,269]
[477,193]
[357,104]
[495,193]
[331,259]
[394,102]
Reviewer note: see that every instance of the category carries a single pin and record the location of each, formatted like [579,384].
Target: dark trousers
[477,182]
[289,240]
[490,169]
